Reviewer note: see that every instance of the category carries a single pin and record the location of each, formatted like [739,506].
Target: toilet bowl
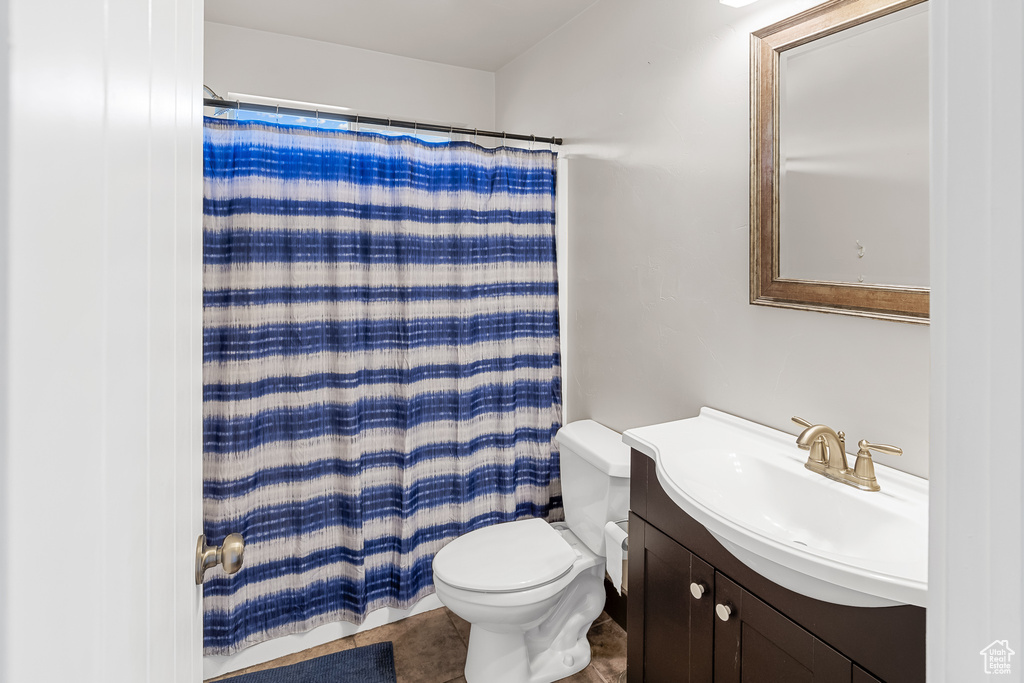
[531,590]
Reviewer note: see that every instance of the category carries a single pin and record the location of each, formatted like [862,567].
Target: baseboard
[218,665]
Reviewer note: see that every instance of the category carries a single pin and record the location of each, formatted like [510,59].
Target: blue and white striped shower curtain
[381,366]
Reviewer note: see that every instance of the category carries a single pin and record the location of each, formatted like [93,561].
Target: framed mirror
[839,160]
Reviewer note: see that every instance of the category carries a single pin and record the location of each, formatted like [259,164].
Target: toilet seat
[505,558]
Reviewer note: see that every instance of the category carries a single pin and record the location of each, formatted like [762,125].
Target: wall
[4,270]
[253,62]
[102,348]
[652,98]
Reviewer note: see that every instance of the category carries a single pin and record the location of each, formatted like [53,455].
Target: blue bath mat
[368,664]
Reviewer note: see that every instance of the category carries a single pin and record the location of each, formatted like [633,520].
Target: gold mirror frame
[905,304]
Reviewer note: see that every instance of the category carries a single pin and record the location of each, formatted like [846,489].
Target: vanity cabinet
[699,615]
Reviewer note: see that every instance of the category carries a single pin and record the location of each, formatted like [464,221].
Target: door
[756,644]
[678,614]
[101,340]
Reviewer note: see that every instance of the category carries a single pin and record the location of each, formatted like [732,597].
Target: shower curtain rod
[372,120]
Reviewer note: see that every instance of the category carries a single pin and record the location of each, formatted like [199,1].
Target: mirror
[839,160]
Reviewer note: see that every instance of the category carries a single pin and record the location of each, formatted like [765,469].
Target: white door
[100,340]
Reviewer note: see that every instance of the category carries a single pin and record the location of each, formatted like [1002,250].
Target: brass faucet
[828,456]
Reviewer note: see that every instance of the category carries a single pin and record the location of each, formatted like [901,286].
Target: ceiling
[478,34]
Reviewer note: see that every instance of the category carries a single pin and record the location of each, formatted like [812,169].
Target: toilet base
[553,650]
[513,664]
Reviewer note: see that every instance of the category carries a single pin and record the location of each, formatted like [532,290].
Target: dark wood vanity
[770,634]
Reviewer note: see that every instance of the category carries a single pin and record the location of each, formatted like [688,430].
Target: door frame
[976,517]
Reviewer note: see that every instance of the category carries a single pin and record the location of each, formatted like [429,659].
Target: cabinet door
[677,635]
[756,644]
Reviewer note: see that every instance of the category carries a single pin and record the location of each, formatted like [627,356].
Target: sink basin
[746,483]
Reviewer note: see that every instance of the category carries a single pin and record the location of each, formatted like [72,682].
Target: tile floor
[431,648]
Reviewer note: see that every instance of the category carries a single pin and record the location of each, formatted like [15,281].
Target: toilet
[530,590]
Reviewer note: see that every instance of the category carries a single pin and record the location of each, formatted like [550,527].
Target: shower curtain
[381,367]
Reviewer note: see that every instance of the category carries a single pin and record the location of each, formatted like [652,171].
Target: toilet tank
[595,479]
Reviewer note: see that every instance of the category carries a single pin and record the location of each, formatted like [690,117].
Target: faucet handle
[879,447]
[864,470]
[802,422]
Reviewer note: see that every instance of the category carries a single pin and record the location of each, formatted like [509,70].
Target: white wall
[652,98]
[976,534]
[253,62]
[4,267]
[102,344]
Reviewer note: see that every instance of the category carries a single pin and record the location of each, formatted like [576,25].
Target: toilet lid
[505,557]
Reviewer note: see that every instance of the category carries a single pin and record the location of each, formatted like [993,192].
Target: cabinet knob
[697,590]
[723,611]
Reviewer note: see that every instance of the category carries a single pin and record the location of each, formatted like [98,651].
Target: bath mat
[368,664]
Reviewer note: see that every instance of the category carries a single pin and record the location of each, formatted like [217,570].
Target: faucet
[828,448]
[828,456]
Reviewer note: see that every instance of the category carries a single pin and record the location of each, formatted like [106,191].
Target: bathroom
[652,99]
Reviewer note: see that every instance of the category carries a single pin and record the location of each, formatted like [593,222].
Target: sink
[746,483]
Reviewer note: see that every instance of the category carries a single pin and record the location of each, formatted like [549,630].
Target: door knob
[697,590]
[723,611]
[229,555]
